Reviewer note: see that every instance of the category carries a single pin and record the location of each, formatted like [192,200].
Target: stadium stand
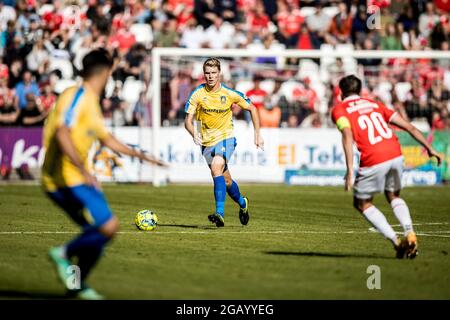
[49,38]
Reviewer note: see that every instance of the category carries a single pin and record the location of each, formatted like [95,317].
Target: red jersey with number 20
[368,121]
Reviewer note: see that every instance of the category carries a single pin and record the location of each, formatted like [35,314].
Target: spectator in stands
[306,40]
[336,69]
[33,114]
[256,94]
[142,111]
[438,36]
[407,18]
[289,20]
[369,62]
[205,12]
[218,35]
[15,73]
[269,43]
[134,61]
[38,59]
[392,39]
[48,97]
[8,113]
[107,111]
[257,22]
[122,114]
[416,104]
[319,24]
[341,25]
[292,121]
[438,96]
[306,98]
[439,120]
[359,25]
[269,114]
[180,88]
[168,37]
[193,36]
[227,9]
[278,99]
[28,85]
[428,20]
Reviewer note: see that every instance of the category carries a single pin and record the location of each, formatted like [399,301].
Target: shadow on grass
[187,226]
[202,227]
[17,294]
[327,255]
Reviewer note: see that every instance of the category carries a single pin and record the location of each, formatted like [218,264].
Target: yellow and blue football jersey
[78,108]
[213,110]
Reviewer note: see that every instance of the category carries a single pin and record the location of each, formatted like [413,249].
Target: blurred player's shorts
[385,176]
[86,205]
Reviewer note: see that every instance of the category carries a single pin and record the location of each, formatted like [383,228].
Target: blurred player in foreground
[72,127]
[381,164]
[210,103]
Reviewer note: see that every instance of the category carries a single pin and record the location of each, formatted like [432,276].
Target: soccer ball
[146,220]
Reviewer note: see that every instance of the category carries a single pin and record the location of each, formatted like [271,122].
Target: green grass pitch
[301,243]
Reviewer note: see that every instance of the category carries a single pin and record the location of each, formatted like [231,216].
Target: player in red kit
[366,123]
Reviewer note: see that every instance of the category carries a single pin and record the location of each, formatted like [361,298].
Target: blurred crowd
[42,44]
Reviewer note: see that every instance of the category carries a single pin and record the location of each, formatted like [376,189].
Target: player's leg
[73,207]
[399,206]
[220,190]
[103,225]
[235,194]
[376,218]
[217,158]
[370,181]
[99,226]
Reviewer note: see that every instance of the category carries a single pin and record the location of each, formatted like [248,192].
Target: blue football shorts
[86,205]
[224,148]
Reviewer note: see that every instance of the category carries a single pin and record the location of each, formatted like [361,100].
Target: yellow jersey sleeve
[239,98]
[98,124]
[343,123]
[194,98]
[69,107]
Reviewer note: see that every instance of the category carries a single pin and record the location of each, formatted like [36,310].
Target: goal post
[177,54]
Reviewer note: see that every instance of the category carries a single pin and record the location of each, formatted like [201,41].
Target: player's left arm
[397,120]
[116,145]
[259,141]
[244,102]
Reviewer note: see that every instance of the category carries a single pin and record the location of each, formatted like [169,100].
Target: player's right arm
[66,118]
[189,125]
[191,108]
[397,120]
[347,144]
[344,126]
[68,148]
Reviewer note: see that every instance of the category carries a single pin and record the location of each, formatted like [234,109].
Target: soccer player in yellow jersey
[210,103]
[72,127]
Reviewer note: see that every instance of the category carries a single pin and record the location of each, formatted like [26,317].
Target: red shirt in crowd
[257,96]
[290,22]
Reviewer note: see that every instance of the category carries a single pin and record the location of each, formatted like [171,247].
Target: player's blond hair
[211,62]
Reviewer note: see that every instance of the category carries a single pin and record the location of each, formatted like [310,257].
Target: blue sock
[235,194]
[220,189]
[88,247]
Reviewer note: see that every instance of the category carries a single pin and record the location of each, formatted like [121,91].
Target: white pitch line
[433,235]
[371,230]
[190,232]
